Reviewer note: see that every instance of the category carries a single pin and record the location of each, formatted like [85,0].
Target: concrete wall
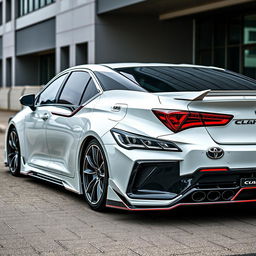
[36,38]
[109,5]
[9,97]
[75,24]
[143,38]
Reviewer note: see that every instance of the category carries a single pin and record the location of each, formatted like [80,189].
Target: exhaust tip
[228,195]
[213,196]
[198,196]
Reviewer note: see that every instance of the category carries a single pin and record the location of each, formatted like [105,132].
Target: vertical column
[72,55]
[9,43]
[4,71]
[194,42]
[14,4]
[58,59]
[91,52]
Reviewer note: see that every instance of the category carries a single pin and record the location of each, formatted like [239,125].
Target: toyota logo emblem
[215,153]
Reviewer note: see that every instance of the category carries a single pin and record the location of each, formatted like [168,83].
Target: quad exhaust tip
[228,195]
[213,195]
[198,196]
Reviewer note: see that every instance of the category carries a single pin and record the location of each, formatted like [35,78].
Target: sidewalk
[4,117]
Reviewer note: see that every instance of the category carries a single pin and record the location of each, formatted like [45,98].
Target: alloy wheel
[94,174]
[13,152]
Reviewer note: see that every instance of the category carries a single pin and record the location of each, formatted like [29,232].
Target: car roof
[135,64]
[105,66]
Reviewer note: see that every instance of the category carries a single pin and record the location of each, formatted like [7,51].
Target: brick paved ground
[41,219]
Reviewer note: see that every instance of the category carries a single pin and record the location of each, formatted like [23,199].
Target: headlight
[134,141]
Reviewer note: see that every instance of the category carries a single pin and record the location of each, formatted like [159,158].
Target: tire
[13,152]
[95,176]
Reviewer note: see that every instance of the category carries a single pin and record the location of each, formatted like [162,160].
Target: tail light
[224,169]
[177,121]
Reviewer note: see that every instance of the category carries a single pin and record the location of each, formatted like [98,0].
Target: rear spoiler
[196,96]
[193,96]
[199,96]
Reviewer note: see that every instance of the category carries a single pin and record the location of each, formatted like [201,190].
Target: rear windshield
[172,79]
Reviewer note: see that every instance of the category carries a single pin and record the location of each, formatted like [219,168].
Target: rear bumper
[161,181]
[175,184]
[210,194]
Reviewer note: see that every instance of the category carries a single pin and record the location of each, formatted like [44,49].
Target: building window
[81,54]
[47,67]
[28,6]
[64,57]
[9,72]
[1,13]
[228,42]
[8,9]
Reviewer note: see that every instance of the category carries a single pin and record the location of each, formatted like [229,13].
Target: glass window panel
[21,8]
[250,29]
[42,3]
[48,96]
[36,4]
[249,68]
[205,58]
[219,34]
[234,31]
[233,58]
[90,92]
[205,35]
[74,88]
[31,5]
[219,57]
[166,79]
[48,1]
[25,6]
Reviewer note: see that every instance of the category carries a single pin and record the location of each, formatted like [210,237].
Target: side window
[90,91]
[48,96]
[74,88]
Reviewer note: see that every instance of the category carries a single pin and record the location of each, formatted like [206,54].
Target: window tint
[169,79]
[114,81]
[90,91]
[74,88]
[48,96]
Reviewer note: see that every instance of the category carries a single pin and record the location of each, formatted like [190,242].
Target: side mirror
[28,100]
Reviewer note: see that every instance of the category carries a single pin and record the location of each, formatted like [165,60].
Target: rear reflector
[177,121]
[214,170]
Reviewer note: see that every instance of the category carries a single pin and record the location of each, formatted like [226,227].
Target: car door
[65,125]
[35,125]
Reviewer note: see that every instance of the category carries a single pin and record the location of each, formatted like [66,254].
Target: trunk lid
[241,104]
[241,129]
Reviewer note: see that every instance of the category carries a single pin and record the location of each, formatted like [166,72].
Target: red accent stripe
[70,115]
[240,190]
[214,170]
[181,204]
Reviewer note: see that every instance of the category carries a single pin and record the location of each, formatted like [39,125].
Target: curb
[2,128]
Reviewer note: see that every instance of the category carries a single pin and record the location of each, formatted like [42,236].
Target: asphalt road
[37,218]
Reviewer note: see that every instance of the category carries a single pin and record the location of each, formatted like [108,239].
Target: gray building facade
[39,38]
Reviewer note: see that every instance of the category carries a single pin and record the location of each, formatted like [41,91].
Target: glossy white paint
[52,146]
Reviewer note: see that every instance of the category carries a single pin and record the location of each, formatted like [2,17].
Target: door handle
[45,116]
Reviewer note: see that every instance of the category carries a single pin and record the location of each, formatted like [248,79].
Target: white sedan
[140,136]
